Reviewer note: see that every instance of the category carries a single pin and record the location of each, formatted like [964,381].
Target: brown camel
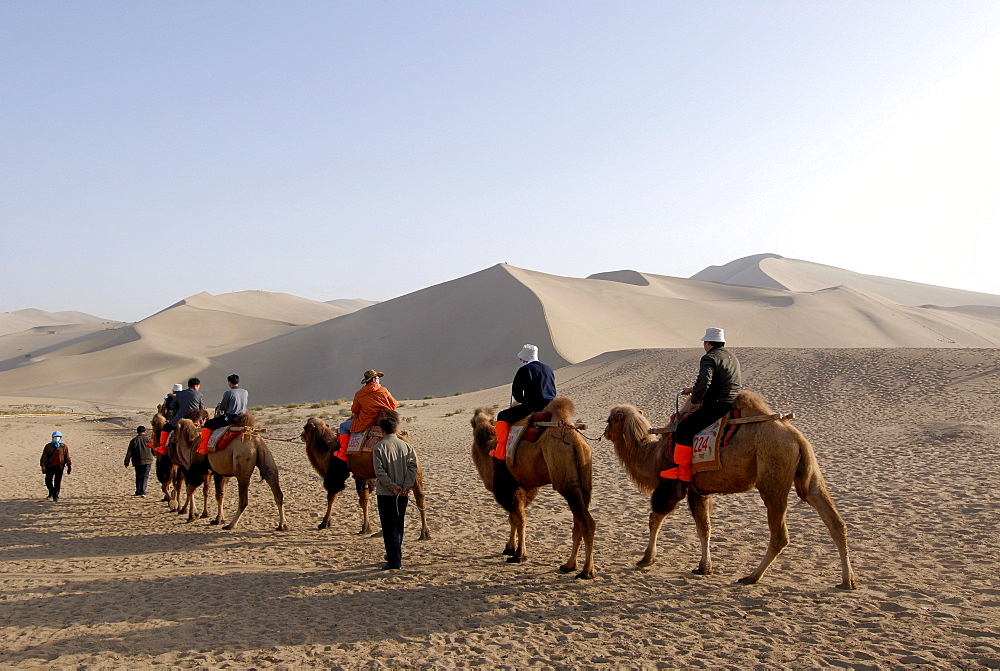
[166,470]
[560,457]
[238,459]
[321,444]
[769,456]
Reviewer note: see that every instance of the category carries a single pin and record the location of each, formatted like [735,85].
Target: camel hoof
[701,571]
[644,563]
[214,523]
[517,560]
[282,527]
[508,551]
[567,568]
[424,537]
[585,575]
[377,534]
[165,499]
[228,527]
[203,516]
[323,525]
[847,585]
[748,580]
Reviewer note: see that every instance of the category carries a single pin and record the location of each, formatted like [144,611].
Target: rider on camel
[719,380]
[533,388]
[371,399]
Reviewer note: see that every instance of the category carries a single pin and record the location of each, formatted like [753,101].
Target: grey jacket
[395,465]
[719,377]
[138,453]
[184,402]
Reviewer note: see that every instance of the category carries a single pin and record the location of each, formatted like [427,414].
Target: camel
[560,457]
[321,444]
[769,456]
[166,470]
[238,459]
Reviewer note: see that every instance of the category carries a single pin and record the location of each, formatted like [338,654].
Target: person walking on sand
[55,458]
[395,465]
[719,380]
[140,454]
[369,401]
[533,388]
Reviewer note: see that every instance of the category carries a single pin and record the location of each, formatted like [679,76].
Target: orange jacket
[369,400]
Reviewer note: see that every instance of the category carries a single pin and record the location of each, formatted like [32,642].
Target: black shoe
[389,567]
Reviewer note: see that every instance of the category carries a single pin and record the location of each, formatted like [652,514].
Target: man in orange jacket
[369,401]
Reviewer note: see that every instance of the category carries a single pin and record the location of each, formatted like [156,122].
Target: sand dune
[776,272]
[463,335]
[905,438]
[22,320]
[138,363]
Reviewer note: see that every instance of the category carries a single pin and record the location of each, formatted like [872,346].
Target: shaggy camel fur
[321,444]
[768,456]
[187,476]
[560,457]
[238,459]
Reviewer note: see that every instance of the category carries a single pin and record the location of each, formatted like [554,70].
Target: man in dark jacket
[141,456]
[719,380]
[533,388]
[184,402]
[55,457]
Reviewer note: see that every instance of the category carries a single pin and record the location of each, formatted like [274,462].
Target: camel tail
[266,464]
[807,473]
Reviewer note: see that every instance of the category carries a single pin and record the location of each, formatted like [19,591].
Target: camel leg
[244,490]
[279,500]
[776,502]
[189,502]
[418,495]
[819,498]
[511,545]
[518,527]
[701,510]
[204,484]
[665,498]
[584,528]
[330,500]
[364,496]
[220,496]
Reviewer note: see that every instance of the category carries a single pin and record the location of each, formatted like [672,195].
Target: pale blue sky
[338,150]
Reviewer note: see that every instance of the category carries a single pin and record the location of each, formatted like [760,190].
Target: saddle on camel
[530,429]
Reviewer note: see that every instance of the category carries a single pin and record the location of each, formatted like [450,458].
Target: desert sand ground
[907,440]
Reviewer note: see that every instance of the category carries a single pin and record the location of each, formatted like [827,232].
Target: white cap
[713,334]
[177,387]
[528,353]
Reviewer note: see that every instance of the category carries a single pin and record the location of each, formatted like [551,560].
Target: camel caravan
[725,440]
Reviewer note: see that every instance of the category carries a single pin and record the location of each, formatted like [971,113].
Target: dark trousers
[702,418]
[53,480]
[391,513]
[221,421]
[517,413]
[141,478]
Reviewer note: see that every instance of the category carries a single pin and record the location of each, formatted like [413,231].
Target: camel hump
[562,409]
[752,403]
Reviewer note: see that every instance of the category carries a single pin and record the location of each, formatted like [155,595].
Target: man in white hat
[533,388]
[719,380]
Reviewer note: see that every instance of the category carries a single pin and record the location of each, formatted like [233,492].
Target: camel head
[198,415]
[482,427]
[314,428]
[626,423]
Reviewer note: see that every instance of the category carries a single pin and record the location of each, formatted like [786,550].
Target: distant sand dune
[463,335]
